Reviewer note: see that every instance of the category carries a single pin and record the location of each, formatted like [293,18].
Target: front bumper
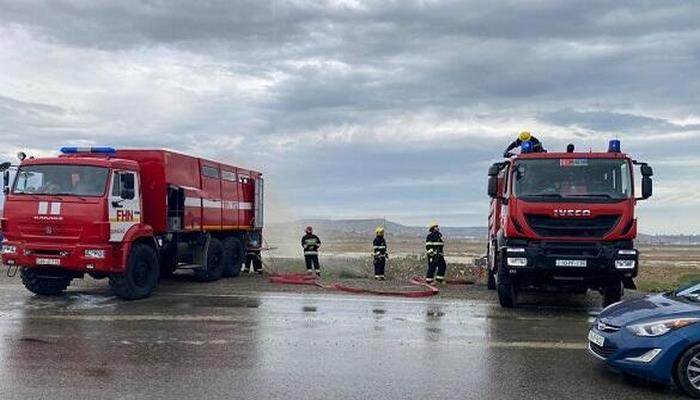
[67,257]
[590,263]
[622,349]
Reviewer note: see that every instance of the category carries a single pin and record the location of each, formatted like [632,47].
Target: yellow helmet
[524,136]
[433,225]
[379,231]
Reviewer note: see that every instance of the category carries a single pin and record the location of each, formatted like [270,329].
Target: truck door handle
[117,204]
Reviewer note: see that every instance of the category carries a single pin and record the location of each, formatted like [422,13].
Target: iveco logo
[572,213]
[49,230]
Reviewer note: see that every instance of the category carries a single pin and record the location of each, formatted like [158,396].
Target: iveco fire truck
[132,216]
[564,222]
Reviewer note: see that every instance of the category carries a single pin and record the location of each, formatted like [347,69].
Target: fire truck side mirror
[5,166]
[647,187]
[6,181]
[493,186]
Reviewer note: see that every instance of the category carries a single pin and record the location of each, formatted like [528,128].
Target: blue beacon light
[94,150]
[526,147]
[614,146]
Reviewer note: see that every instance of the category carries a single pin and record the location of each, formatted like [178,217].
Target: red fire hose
[303,279]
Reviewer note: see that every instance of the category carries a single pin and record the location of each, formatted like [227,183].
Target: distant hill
[361,228]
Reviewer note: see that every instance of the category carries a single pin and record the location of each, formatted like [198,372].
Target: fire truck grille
[595,227]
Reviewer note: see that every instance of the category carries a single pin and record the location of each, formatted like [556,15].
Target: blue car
[656,337]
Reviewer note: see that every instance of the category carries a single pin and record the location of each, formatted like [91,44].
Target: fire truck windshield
[584,179]
[76,180]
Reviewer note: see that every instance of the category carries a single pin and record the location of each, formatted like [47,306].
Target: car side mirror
[5,166]
[6,182]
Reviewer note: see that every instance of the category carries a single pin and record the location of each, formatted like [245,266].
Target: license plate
[596,338]
[48,261]
[571,263]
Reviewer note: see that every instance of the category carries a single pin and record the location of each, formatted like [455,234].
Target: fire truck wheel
[491,267]
[507,294]
[46,285]
[215,262]
[233,257]
[141,275]
[612,292]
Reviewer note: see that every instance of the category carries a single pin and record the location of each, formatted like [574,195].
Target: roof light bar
[93,150]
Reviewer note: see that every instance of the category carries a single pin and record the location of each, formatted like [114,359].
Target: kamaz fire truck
[564,222]
[131,216]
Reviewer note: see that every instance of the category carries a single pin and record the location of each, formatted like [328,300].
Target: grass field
[662,267]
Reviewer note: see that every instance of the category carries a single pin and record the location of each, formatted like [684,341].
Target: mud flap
[628,283]
[201,253]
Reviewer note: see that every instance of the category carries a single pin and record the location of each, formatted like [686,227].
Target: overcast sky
[362,108]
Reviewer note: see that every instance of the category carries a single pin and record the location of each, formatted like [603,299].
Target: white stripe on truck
[218,204]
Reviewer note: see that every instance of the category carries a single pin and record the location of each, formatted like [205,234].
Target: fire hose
[311,280]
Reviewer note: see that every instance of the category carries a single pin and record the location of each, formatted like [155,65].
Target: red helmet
[309,229]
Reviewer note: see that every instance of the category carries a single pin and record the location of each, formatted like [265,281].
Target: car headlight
[516,261]
[625,264]
[658,328]
[7,249]
[94,253]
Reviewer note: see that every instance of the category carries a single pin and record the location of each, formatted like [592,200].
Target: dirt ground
[662,267]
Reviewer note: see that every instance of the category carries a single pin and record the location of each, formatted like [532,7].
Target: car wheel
[688,372]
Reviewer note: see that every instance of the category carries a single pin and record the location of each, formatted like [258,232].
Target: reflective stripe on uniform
[310,253]
[434,243]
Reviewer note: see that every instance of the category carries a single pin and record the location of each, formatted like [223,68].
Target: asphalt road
[195,341]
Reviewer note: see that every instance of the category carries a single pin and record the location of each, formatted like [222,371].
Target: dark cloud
[332,98]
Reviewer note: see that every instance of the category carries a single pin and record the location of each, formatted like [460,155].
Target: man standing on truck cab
[436,258]
[380,254]
[311,243]
[522,138]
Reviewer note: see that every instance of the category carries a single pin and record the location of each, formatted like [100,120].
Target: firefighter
[380,254]
[522,138]
[311,243]
[253,258]
[436,258]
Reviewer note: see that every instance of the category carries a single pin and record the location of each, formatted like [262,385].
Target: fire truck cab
[132,216]
[564,222]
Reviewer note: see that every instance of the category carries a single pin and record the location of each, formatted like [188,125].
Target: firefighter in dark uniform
[437,267]
[380,254]
[311,243]
[253,257]
[522,138]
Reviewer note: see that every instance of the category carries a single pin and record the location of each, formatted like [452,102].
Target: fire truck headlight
[625,264]
[94,253]
[517,261]
[7,249]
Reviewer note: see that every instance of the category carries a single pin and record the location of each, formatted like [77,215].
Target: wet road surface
[193,341]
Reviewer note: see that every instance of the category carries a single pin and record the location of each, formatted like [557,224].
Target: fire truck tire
[215,262]
[233,257]
[141,275]
[507,294]
[612,292]
[491,267]
[44,285]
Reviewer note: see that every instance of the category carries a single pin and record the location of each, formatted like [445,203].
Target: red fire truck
[132,216]
[564,222]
